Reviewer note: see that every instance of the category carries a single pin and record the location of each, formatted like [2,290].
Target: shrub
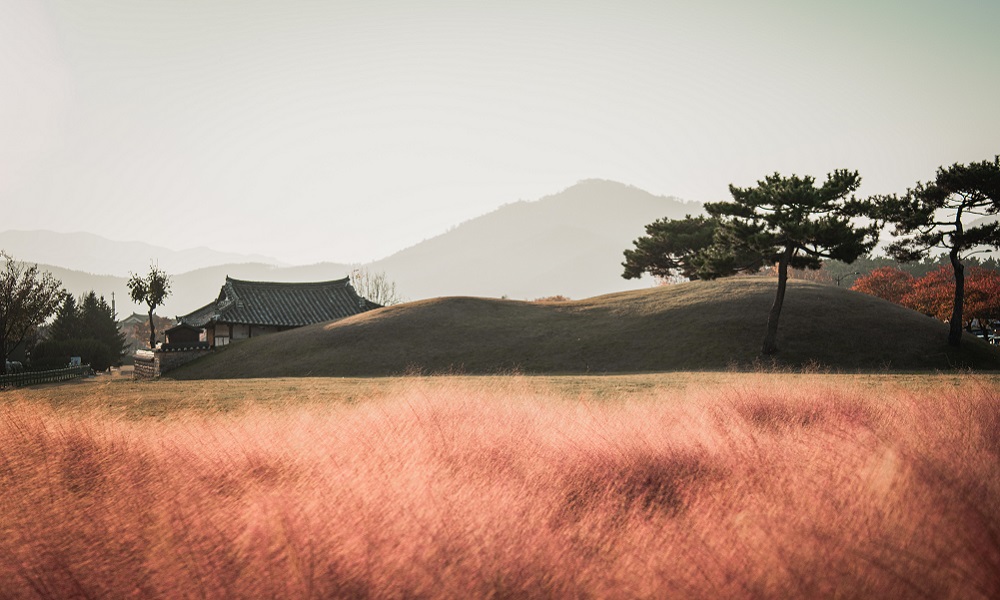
[51,354]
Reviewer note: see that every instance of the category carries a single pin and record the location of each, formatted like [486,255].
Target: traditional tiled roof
[134,318]
[280,304]
[199,317]
[181,326]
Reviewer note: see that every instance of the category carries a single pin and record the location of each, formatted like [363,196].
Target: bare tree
[27,298]
[376,287]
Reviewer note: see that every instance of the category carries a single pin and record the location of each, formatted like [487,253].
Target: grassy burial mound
[691,326]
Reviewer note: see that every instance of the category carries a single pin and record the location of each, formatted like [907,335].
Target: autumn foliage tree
[934,294]
[982,296]
[889,283]
[934,215]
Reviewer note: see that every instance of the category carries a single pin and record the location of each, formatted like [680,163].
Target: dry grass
[727,486]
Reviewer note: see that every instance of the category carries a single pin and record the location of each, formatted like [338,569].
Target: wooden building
[133,320]
[183,334]
[246,309]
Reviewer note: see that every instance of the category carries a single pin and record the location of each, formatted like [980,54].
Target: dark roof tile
[280,304]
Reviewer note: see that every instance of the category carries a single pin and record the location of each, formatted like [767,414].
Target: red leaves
[888,283]
[982,294]
[934,293]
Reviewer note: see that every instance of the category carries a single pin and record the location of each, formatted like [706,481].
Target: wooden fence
[36,377]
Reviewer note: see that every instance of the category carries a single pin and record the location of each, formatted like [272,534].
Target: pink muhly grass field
[757,489]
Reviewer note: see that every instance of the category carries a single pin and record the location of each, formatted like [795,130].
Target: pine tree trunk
[955,326]
[770,340]
[152,331]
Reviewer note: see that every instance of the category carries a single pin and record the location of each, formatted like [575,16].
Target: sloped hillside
[691,326]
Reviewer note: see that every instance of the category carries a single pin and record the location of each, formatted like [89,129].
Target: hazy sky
[346,130]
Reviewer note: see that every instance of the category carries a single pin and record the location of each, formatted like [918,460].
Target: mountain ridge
[588,224]
[43,246]
[569,243]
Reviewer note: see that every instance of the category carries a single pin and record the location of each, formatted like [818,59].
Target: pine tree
[671,248]
[67,324]
[98,323]
[84,328]
[686,248]
[933,216]
[791,222]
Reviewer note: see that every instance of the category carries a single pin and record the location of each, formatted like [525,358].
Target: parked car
[14,366]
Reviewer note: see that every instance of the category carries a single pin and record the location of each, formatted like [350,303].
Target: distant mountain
[570,243]
[91,253]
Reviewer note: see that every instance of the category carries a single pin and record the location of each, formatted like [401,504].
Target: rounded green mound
[701,325]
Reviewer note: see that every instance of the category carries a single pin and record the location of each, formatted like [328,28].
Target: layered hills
[569,244]
[689,326]
[89,253]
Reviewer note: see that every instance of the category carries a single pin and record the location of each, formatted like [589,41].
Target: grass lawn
[694,326]
[160,398]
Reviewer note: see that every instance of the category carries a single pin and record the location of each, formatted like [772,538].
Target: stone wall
[145,365]
[151,364]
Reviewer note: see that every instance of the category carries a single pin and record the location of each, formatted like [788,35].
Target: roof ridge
[281,304]
[289,283]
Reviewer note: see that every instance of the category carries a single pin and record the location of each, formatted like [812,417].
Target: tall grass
[754,489]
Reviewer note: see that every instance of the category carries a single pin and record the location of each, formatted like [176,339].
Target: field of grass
[697,325]
[683,485]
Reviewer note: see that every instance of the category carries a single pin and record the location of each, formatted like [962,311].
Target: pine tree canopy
[792,213]
[791,222]
[947,214]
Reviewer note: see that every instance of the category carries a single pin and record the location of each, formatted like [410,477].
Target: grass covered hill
[690,326]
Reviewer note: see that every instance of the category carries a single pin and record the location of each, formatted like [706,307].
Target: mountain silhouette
[569,244]
[92,253]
